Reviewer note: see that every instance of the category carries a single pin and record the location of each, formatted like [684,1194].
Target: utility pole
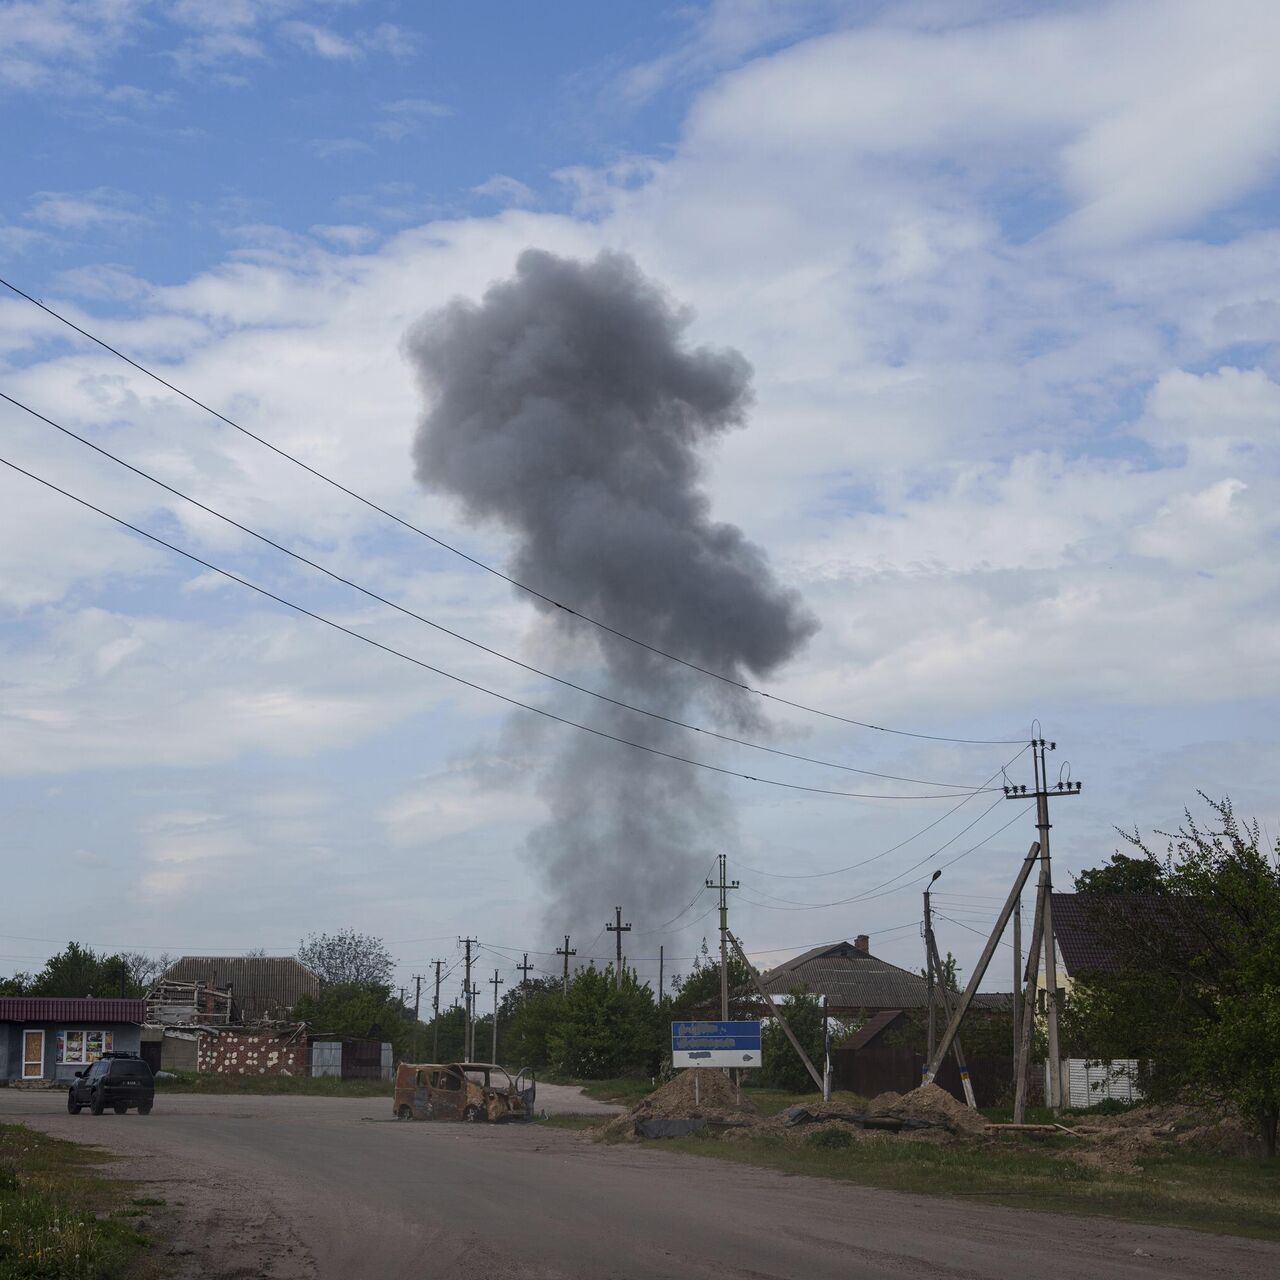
[524,969]
[660,973]
[466,996]
[724,886]
[435,1016]
[618,929]
[495,982]
[1017,983]
[402,995]
[928,957]
[417,1002]
[566,951]
[1042,793]
[935,965]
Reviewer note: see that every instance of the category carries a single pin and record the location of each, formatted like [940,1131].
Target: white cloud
[407,116]
[506,190]
[321,41]
[78,211]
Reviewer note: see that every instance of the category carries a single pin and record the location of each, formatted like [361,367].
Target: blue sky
[1007,278]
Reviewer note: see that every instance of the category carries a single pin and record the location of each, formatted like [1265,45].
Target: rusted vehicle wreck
[475,1092]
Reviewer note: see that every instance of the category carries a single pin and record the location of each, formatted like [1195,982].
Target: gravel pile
[717,1101]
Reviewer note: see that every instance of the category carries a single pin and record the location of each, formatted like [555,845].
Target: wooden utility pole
[417,1001]
[980,969]
[495,982]
[566,951]
[777,1013]
[660,974]
[723,886]
[435,1016]
[467,1000]
[1041,793]
[935,967]
[619,929]
[524,970]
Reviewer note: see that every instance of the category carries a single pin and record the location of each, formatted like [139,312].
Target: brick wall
[252,1053]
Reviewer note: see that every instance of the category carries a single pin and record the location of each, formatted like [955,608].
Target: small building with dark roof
[856,984]
[45,1038]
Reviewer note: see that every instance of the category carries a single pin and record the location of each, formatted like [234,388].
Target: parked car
[476,1092]
[116,1080]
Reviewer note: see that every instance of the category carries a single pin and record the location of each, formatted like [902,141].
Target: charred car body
[476,1092]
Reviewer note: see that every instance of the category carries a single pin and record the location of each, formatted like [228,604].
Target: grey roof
[852,978]
[261,986]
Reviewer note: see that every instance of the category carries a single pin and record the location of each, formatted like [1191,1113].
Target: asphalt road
[291,1188]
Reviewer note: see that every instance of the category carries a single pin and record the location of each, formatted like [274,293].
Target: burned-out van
[477,1092]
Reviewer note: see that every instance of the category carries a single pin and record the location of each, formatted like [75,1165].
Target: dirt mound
[933,1105]
[711,1097]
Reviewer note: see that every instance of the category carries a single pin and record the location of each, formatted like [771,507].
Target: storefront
[51,1038]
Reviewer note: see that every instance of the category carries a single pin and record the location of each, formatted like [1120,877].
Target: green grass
[1236,1196]
[59,1217]
[575,1123]
[308,1086]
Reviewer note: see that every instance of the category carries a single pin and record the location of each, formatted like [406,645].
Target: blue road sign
[715,1044]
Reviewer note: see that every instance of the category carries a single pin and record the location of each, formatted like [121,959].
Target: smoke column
[567,406]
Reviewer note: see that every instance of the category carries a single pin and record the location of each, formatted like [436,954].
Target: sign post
[715,1044]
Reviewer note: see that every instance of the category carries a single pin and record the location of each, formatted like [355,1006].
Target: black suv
[116,1080]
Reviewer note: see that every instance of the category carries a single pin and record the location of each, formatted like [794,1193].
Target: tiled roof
[261,986]
[64,1009]
[1090,928]
[852,978]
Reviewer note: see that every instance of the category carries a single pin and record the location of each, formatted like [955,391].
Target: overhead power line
[457,635]
[448,675]
[735,681]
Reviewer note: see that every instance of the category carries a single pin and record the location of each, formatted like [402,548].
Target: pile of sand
[932,1105]
[717,1101]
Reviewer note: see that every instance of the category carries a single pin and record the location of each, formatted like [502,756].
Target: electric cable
[884,853]
[457,635]
[734,681]
[470,684]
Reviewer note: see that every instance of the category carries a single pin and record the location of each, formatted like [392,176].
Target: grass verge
[1227,1195]
[60,1217]
[305,1086]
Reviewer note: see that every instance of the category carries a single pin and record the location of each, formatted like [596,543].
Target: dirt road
[295,1188]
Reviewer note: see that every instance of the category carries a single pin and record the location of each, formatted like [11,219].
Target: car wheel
[473,1114]
[404,1113]
[98,1105]
[72,1105]
[144,1109]
[120,1108]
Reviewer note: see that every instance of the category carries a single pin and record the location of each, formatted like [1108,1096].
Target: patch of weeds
[830,1139]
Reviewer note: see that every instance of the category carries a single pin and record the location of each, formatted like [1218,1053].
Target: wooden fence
[879,1070]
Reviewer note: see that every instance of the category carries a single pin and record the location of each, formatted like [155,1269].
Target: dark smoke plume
[567,407]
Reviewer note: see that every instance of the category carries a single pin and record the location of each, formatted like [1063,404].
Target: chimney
[863,943]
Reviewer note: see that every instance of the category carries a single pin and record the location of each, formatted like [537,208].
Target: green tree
[606,1027]
[357,1009]
[348,957]
[782,1068]
[698,994]
[80,971]
[1123,874]
[1196,990]
[526,1021]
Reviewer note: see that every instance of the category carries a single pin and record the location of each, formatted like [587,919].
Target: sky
[1008,279]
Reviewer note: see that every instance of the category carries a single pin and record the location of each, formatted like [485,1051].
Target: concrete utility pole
[660,974]
[435,1016]
[417,1000]
[619,929]
[1042,793]
[1017,983]
[466,997]
[928,958]
[495,982]
[724,886]
[524,970]
[566,951]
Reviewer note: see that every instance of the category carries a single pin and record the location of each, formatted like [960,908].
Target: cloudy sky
[1009,280]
